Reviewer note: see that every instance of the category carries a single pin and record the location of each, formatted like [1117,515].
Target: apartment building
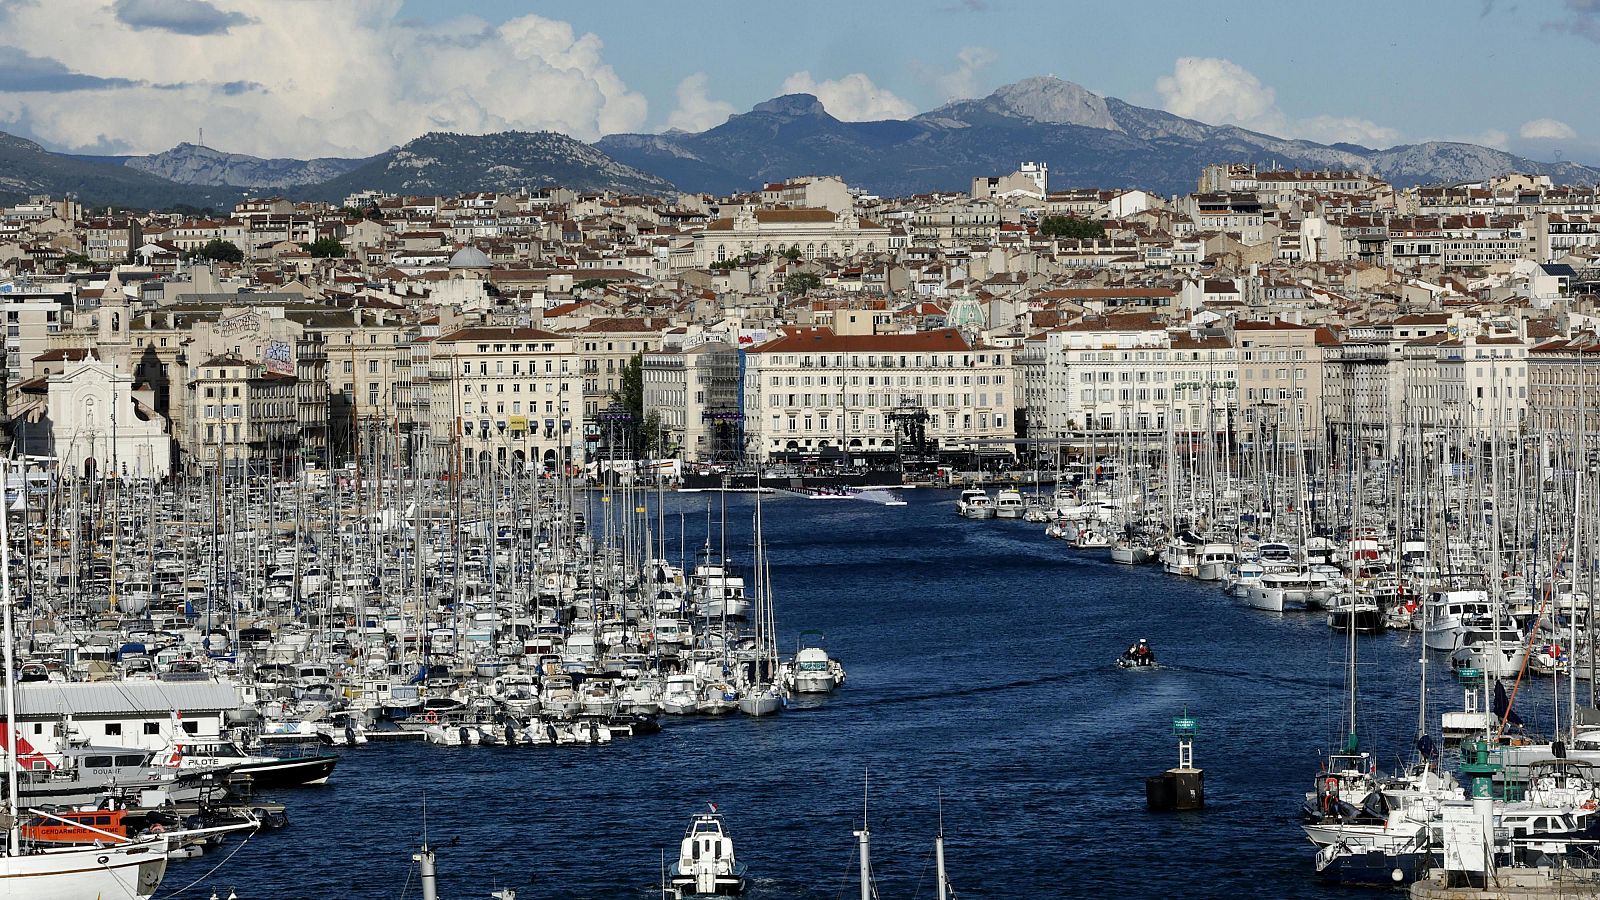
[813,392]
[1130,374]
[515,398]
[240,414]
[694,391]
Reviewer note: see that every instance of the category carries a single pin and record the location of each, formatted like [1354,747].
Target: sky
[303,78]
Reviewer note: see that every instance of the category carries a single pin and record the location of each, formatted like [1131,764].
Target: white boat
[1214,562]
[812,674]
[974,504]
[1130,553]
[1447,614]
[1008,504]
[1497,653]
[680,696]
[706,863]
[1179,557]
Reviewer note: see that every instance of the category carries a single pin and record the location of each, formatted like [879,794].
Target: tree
[630,396]
[1071,227]
[799,282]
[792,254]
[373,212]
[324,248]
[591,283]
[77,259]
[219,250]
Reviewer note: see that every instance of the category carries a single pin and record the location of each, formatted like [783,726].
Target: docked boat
[290,765]
[1009,504]
[974,503]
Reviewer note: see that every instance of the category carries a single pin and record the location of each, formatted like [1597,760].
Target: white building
[514,397]
[812,391]
[140,715]
[88,418]
[1129,373]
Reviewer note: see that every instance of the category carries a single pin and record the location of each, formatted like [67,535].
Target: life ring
[431,717]
[1590,804]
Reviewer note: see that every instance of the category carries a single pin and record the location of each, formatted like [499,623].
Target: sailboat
[123,867]
[761,695]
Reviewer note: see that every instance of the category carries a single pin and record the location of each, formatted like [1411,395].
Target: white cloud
[961,82]
[853,98]
[1547,130]
[1490,137]
[1345,130]
[1218,91]
[696,110]
[360,80]
[1221,91]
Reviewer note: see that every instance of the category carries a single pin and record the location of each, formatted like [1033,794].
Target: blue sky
[352,77]
[1428,69]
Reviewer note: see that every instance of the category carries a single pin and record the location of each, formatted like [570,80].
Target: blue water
[980,669]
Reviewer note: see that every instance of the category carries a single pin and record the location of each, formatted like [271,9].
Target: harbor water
[980,657]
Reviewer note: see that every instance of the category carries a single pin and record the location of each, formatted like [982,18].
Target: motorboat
[706,864]
[974,503]
[1214,561]
[1008,504]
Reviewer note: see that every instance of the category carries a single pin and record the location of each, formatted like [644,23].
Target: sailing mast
[14,838]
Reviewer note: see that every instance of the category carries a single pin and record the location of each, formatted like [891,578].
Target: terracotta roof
[823,340]
[499,334]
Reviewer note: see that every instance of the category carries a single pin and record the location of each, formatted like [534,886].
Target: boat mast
[14,838]
[938,855]
[864,838]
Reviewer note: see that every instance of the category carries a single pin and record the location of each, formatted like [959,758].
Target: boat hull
[121,871]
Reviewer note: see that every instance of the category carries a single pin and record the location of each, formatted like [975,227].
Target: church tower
[112,342]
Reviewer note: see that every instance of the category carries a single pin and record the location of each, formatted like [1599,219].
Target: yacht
[706,864]
[812,672]
[974,504]
[1447,614]
[1180,557]
[1214,562]
[1008,504]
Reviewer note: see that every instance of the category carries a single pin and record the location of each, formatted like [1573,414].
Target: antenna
[202,136]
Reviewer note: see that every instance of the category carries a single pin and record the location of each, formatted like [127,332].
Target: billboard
[278,358]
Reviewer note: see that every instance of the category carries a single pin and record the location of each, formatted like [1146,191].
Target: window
[113,729]
[152,728]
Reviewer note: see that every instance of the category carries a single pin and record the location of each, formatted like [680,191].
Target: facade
[814,392]
[515,396]
[242,415]
[815,232]
[695,393]
[91,422]
[1130,374]
[1280,377]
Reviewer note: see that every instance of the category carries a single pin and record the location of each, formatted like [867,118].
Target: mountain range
[1086,139]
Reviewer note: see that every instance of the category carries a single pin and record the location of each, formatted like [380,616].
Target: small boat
[1008,504]
[706,864]
[975,504]
[1138,656]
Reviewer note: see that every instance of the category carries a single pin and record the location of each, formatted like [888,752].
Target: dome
[469,258]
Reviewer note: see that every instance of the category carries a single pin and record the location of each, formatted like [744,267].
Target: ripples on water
[980,659]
